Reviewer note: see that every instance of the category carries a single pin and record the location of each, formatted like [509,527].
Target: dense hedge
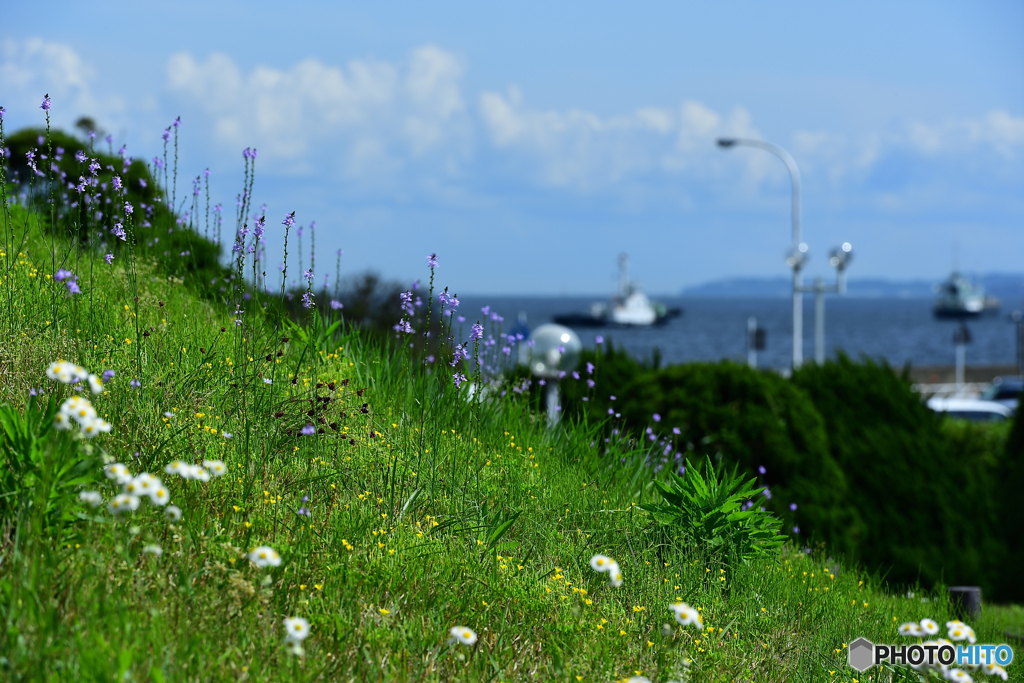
[875,475]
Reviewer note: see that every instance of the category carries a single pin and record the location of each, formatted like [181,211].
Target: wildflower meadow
[210,474]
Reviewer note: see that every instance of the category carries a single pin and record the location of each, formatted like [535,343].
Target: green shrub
[927,491]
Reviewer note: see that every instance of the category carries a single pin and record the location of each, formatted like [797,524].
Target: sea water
[711,329]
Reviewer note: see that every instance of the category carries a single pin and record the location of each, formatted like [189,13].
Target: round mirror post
[554,352]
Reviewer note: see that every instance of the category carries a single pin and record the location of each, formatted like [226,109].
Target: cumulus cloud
[379,112]
[579,148]
[32,67]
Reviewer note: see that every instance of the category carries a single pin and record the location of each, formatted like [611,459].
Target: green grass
[427,510]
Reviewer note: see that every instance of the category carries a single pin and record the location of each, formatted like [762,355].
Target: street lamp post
[797,255]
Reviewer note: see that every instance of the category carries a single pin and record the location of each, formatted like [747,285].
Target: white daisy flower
[168,414]
[615,575]
[172,513]
[93,498]
[55,370]
[929,626]
[215,467]
[958,675]
[971,637]
[996,670]
[123,503]
[958,632]
[264,556]
[79,409]
[144,484]
[96,384]
[62,422]
[200,474]
[118,473]
[95,427]
[687,616]
[175,466]
[294,647]
[911,629]
[160,496]
[153,549]
[466,636]
[296,629]
[601,563]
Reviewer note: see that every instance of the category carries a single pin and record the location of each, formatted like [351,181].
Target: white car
[973,409]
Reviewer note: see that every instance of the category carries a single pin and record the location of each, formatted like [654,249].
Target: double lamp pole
[797,256]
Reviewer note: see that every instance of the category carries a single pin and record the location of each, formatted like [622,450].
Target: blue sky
[528,145]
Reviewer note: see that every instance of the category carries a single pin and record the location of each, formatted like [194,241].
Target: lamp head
[841,256]
[555,349]
[797,256]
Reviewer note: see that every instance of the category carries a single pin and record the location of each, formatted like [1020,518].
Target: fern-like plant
[708,511]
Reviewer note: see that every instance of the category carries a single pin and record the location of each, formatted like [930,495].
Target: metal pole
[751,342]
[819,321]
[798,319]
[794,176]
[554,411]
[961,353]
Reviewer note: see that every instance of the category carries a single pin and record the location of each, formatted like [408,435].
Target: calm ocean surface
[898,330]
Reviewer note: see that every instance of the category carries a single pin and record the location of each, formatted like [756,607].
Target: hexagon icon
[861,654]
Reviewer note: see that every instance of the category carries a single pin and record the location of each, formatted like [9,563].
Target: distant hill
[1007,287]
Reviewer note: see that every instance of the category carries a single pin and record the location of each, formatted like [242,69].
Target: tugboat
[629,308]
[958,297]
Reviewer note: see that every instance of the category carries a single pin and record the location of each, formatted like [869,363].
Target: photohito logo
[863,654]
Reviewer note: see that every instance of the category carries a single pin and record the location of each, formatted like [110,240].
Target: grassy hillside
[394,504]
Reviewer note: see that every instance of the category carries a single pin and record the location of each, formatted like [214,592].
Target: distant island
[1007,287]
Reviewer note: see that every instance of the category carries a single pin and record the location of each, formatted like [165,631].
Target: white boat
[959,297]
[629,308]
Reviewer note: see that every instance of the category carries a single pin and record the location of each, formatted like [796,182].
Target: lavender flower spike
[45,106]
[432,261]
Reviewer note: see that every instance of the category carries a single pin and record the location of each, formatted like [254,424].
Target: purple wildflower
[109,258]
[792,506]
[308,430]
[656,417]
[73,287]
[119,231]
[458,378]
[135,384]
[477,332]
[62,275]
[166,135]
[289,220]
[128,208]
[761,469]
[116,182]
[796,530]
[108,375]
[432,261]
[308,275]
[142,183]
[590,383]
[336,305]
[675,430]
[598,339]
[45,106]
[177,122]
[2,112]
[767,493]
[590,368]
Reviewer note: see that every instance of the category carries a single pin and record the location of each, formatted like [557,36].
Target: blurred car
[973,409]
[1005,390]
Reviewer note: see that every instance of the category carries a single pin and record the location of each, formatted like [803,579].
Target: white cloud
[377,111]
[579,148]
[33,67]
